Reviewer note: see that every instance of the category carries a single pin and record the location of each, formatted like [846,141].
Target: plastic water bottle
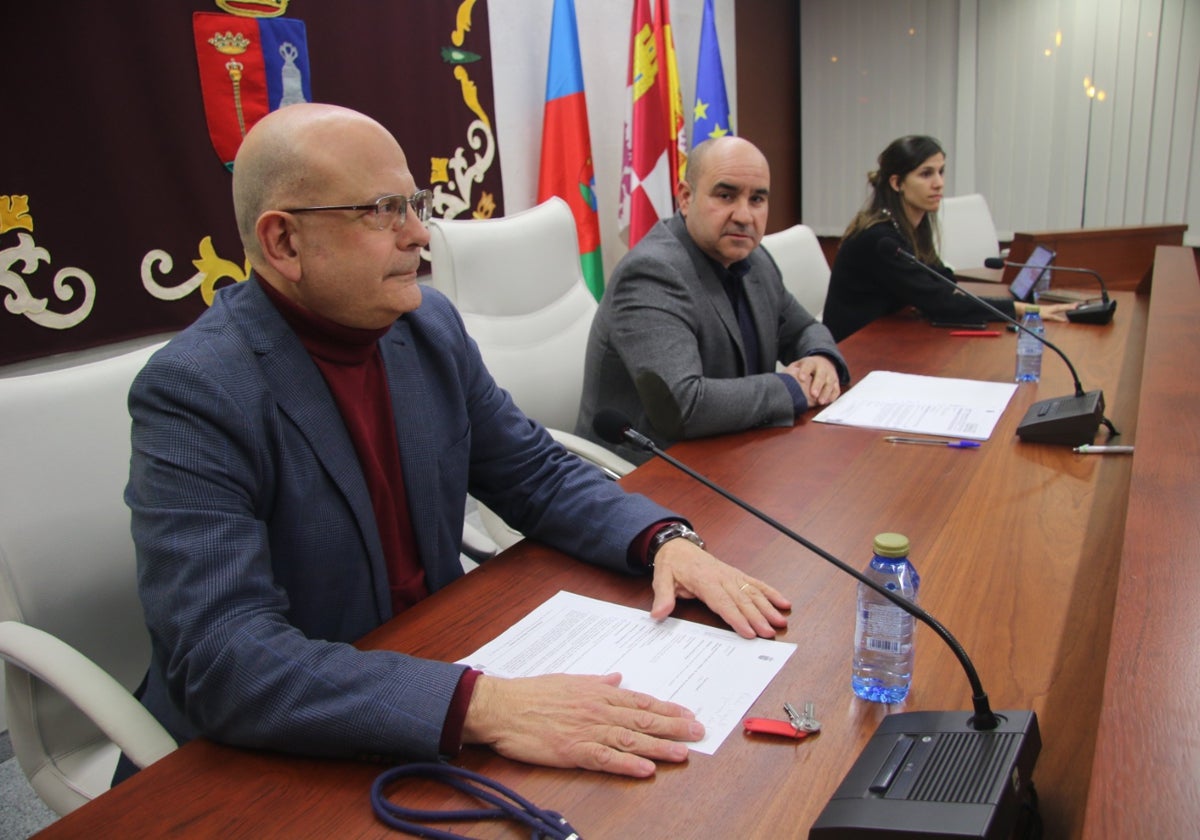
[883,632]
[1029,349]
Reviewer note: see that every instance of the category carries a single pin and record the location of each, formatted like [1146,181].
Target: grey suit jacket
[665,349]
[259,560]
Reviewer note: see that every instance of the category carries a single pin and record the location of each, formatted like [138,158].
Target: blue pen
[953,444]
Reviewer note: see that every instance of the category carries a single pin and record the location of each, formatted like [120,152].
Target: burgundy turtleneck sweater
[352,365]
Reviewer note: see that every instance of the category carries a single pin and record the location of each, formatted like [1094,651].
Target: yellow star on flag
[700,112]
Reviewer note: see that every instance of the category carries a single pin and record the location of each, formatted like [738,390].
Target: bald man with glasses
[301,458]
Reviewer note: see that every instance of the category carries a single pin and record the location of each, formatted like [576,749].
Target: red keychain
[796,726]
[770,726]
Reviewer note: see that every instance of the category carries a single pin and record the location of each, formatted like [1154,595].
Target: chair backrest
[518,283]
[968,233]
[802,263]
[67,561]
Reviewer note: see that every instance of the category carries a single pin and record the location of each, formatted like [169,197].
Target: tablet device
[1035,276]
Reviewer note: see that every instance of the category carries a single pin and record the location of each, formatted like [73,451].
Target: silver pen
[1088,449]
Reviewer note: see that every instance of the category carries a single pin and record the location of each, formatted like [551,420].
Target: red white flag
[675,121]
[647,180]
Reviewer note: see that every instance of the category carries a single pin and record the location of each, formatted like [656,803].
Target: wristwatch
[676,530]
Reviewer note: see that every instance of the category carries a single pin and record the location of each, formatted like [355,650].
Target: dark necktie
[735,289]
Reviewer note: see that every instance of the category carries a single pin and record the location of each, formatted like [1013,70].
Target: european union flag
[710,117]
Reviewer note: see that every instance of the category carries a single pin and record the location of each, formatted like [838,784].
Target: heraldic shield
[248,68]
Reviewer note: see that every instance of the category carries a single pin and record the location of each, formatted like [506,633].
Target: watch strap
[672,531]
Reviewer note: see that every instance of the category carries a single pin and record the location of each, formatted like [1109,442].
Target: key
[796,726]
[802,722]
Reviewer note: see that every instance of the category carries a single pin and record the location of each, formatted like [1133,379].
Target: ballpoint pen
[953,444]
[1088,449]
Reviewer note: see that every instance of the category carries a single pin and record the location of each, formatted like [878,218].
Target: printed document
[714,672]
[927,405]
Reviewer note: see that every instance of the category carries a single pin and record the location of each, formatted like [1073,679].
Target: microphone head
[610,425]
[994,262]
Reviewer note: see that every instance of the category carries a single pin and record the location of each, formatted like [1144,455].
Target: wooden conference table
[1124,256]
[1018,546]
[1146,775]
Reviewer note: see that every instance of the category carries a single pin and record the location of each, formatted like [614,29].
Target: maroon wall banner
[115,212]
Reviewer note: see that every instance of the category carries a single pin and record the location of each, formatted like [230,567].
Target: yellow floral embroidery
[214,268]
[14,213]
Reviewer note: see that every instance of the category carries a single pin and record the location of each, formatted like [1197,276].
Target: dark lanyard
[544,825]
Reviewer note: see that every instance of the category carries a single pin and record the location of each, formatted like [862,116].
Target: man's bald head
[305,183]
[289,157]
[723,198]
[717,148]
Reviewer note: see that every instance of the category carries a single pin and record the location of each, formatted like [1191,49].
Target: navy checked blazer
[259,560]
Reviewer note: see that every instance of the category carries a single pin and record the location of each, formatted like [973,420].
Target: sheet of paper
[929,405]
[715,673]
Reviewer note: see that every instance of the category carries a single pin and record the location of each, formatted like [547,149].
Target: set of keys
[796,726]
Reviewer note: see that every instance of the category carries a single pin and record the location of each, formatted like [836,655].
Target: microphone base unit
[931,774]
[1069,421]
[1100,312]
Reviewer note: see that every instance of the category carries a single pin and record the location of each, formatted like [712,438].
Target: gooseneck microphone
[994,752]
[1088,313]
[1070,421]
[612,427]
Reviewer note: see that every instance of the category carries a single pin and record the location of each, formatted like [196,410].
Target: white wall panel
[871,71]
[1001,83]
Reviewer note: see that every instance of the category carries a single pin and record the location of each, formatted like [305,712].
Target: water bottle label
[885,620]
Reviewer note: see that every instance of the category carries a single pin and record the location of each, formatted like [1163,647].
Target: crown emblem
[253,8]
[231,43]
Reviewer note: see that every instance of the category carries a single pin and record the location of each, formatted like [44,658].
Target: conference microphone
[939,774]
[1071,421]
[1087,313]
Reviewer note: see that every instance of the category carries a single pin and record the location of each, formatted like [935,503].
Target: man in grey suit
[301,459]
[695,317]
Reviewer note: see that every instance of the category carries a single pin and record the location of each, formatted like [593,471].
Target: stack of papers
[927,405]
[715,673]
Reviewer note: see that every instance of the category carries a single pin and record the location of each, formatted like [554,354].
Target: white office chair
[72,633]
[968,235]
[802,262]
[518,283]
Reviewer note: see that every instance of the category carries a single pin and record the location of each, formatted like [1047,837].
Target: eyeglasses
[385,210]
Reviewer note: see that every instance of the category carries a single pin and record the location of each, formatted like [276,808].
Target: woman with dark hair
[868,282]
